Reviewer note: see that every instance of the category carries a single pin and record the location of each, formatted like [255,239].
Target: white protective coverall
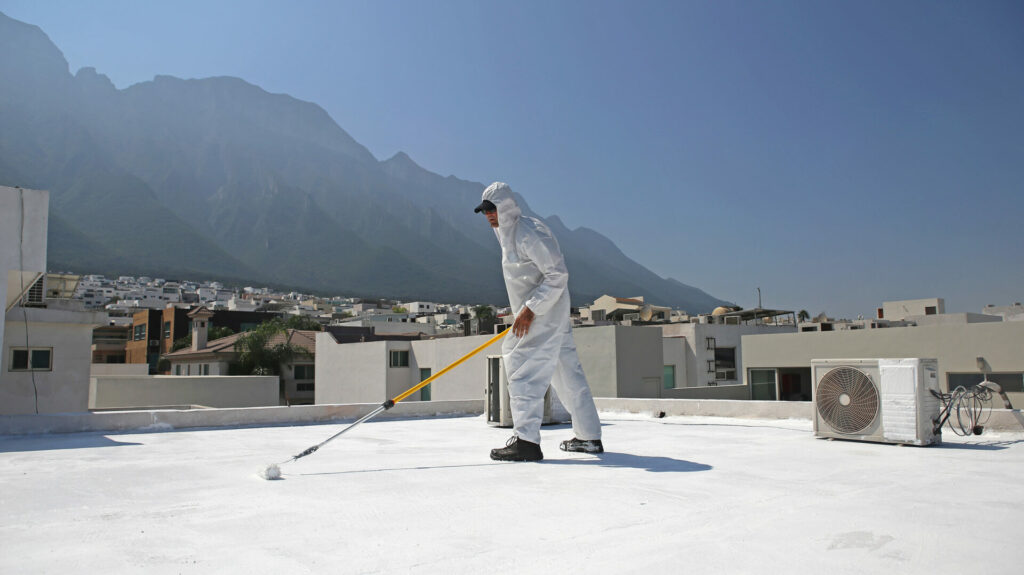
[536,277]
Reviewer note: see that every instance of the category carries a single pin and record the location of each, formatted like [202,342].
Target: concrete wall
[101,369]
[467,381]
[674,352]
[65,387]
[708,407]
[350,373]
[736,391]
[163,420]
[957,347]
[24,221]
[596,348]
[126,391]
[697,354]
[360,372]
[640,364]
[621,361]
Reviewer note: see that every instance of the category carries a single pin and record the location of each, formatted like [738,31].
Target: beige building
[779,366]
[904,309]
[613,308]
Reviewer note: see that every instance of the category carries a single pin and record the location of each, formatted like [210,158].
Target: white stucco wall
[100,369]
[21,247]
[126,391]
[350,373]
[596,348]
[65,388]
[468,380]
[621,361]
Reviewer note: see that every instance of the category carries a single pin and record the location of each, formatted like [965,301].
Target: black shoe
[582,445]
[517,450]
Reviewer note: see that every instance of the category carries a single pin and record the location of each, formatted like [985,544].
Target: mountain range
[217,178]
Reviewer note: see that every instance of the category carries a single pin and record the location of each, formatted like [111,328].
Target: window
[305,387]
[668,377]
[167,330]
[930,310]
[140,332]
[725,363]
[710,341]
[177,369]
[399,358]
[305,372]
[762,384]
[31,359]
[1012,382]
[425,390]
[206,369]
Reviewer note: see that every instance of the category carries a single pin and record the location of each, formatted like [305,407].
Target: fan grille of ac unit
[847,399]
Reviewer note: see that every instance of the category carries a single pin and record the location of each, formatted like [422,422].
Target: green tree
[256,355]
[803,315]
[303,322]
[484,312]
[399,309]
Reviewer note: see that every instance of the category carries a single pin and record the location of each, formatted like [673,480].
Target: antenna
[758,298]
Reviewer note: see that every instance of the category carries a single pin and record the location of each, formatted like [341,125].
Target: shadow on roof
[987,446]
[47,443]
[650,463]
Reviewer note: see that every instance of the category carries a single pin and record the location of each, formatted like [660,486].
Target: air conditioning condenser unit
[882,400]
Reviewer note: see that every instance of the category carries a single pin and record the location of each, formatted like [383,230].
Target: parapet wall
[745,409]
[136,391]
[166,419]
[160,419]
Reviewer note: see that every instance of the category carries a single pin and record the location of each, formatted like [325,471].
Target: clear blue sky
[836,154]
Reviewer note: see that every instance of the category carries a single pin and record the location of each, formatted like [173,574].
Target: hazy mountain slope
[216,177]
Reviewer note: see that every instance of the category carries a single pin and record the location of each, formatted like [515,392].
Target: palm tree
[803,315]
[257,356]
[484,312]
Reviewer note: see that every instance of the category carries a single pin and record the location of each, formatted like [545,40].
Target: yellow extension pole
[391,402]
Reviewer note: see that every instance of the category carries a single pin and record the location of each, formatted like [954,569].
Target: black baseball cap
[485,206]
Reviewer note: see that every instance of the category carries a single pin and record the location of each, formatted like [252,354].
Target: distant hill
[219,178]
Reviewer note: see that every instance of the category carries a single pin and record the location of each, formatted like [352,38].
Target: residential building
[620,361]
[967,350]
[707,354]
[44,340]
[619,308]
[419,307]
[388,322]
[1013,312]
[109,343]
[903,309]
[215,358]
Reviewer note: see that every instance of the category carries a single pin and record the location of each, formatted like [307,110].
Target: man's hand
[522,324]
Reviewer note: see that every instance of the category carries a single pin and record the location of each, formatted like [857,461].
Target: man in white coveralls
[540,351]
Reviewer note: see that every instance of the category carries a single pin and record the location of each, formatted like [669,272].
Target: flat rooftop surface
[672,495]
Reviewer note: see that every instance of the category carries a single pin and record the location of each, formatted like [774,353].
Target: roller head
[270,472]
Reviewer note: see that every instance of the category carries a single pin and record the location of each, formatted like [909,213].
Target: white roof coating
[672,495]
